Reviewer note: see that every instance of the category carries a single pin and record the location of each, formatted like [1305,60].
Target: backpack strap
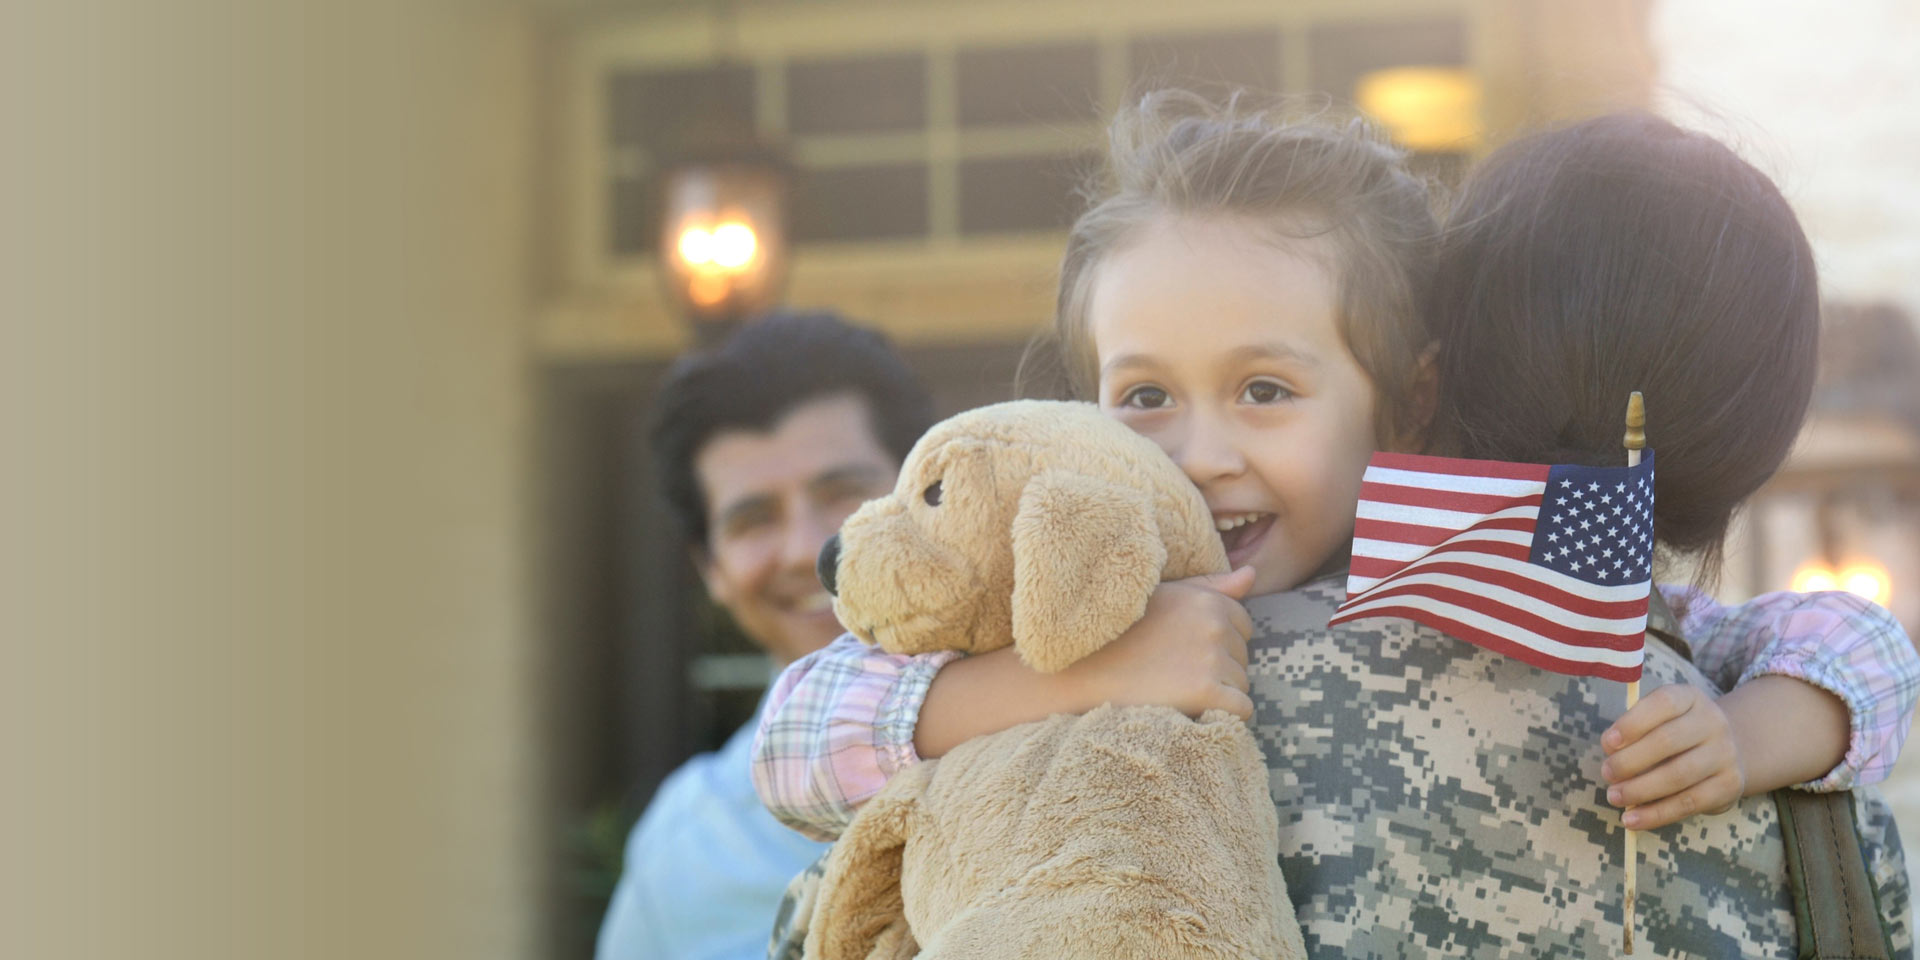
[1836,908]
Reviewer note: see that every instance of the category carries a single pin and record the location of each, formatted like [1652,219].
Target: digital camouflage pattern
[796,908]
[1439,800]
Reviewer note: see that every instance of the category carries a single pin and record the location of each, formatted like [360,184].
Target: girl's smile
[1221,343]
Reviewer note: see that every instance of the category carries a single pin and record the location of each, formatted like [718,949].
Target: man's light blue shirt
[705,868]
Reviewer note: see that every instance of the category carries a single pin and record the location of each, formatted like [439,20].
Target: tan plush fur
[1125,834]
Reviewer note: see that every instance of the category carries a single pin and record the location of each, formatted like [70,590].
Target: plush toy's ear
[859,913]
[1086,556]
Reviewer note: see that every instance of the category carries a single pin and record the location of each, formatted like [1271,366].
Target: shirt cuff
[900,711]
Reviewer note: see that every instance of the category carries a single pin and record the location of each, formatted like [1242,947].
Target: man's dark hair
[759,375]
[1624,254]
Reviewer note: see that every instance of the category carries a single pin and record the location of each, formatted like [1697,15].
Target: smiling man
[763,447]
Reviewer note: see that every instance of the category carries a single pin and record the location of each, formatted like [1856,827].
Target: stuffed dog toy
[1129,832]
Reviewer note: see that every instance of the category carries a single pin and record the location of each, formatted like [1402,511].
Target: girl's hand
[1189,651]
[1673,755]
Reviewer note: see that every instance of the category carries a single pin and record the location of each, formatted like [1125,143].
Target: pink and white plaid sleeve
[838,724]
[1838,642]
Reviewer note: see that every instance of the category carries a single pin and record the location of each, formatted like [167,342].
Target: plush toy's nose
[829,563]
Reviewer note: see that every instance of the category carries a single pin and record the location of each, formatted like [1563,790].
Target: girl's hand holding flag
[1674,754]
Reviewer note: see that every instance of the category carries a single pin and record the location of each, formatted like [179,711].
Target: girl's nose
[1208,452]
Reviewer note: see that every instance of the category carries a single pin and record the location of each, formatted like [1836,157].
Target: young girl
[1248,296]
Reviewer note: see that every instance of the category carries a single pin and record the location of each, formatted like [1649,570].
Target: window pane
[858,96]
[1247,59]
[653,108]
[860,203]
[1010,194]
[634,226]
[1343,53]
[1028,84]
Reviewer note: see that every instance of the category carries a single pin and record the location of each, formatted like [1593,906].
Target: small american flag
[1550,565]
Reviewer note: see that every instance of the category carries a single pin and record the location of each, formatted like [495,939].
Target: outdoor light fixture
[1867,579]
[723,238]
[1425,108]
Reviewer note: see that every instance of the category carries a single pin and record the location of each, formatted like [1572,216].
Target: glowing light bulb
[697,246]
[1814,580]
[734,245]
[1869,580]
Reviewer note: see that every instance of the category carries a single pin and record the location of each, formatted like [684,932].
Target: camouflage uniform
[796,908]
[1439,800]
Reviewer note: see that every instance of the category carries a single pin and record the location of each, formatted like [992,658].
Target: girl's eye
[1146,398]
[1265,391]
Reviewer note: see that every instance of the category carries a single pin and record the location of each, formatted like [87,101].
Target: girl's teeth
[1224,524]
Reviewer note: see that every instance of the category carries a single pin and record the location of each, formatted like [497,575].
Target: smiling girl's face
[1224,348]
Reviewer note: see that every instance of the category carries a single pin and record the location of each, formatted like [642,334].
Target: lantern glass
[724,239]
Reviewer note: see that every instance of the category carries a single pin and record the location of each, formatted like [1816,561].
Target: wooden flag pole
[1636,441]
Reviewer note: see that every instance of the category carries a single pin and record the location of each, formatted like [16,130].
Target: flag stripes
[1545,564]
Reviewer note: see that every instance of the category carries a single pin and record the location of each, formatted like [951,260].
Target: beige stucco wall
[265,686]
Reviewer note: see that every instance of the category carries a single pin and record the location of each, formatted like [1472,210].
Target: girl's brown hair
[1294,174]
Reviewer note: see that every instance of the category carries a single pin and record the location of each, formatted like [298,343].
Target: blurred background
[337,613]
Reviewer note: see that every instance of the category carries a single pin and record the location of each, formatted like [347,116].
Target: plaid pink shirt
[839,722]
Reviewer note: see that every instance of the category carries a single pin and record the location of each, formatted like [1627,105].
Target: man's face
[773,498]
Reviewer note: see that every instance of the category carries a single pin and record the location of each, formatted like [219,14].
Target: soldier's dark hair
[1620,254]
[759,375]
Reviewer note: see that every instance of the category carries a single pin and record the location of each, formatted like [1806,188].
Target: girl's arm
[1188,651]
[1824,687]
[839,723]
[1842,644]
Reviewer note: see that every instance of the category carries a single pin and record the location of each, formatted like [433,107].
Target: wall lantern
[723,244]
[1430,109]
[1865,578]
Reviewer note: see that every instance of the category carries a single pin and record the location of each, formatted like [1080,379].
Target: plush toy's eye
[932,495]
